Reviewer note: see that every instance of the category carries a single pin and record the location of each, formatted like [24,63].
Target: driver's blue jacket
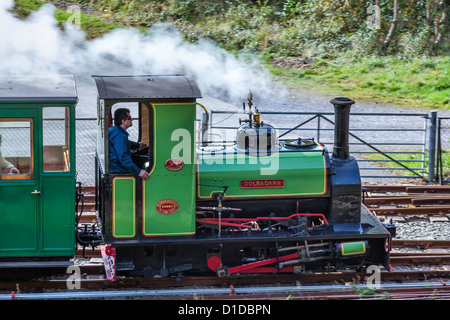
[120,152]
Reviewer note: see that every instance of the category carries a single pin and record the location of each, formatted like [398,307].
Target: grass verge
[410,160]
[421,82]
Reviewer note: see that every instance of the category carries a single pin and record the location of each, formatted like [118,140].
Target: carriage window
[56,144]
[16,149]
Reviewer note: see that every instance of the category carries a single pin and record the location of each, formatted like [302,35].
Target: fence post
[439,154]
[432,146]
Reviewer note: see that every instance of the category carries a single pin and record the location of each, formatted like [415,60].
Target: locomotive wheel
[149,272]
[164,272]
[216,265]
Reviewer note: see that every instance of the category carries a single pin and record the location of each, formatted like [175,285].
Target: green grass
[420,82]
[415,81]
[410,163]
[445,154]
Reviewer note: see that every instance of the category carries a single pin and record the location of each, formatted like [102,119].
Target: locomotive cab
[130,208]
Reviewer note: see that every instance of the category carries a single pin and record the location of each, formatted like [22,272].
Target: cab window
[16,149]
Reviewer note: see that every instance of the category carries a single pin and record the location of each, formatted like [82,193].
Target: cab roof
[173,86]
[30,88]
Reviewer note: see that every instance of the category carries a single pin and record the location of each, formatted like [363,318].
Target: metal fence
[398,140]
[443,149]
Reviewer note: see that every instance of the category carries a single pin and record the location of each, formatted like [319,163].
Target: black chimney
[341,127]
[345,209]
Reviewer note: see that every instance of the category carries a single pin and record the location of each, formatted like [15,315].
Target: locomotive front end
[276,194]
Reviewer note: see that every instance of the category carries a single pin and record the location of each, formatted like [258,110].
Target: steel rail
[212,281]
[421,243]
[190,292]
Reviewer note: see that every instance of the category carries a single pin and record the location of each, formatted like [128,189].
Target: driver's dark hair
[119,115]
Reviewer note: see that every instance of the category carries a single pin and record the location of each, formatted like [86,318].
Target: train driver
[6,166]
[120,147]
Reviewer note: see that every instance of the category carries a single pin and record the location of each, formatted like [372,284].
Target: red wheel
[214,262]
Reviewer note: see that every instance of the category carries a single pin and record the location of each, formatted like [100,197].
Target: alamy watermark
[257,144]
[74,20]
[374,18]
[74,279]
[373,282]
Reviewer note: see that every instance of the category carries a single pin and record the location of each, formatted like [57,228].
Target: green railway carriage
[37,128]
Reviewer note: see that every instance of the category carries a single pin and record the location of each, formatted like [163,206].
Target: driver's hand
[144,175]
[142,145]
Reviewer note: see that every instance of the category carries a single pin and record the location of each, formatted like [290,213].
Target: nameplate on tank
[167,206]
[174,164]
[262,183]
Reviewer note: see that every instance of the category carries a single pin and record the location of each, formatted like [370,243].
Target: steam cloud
[37,46]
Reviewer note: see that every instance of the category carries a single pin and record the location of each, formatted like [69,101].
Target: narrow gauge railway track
[430,291]
[421,243]
[409,291]
[408,200]
[333,285]
[99,282]
[400,258]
